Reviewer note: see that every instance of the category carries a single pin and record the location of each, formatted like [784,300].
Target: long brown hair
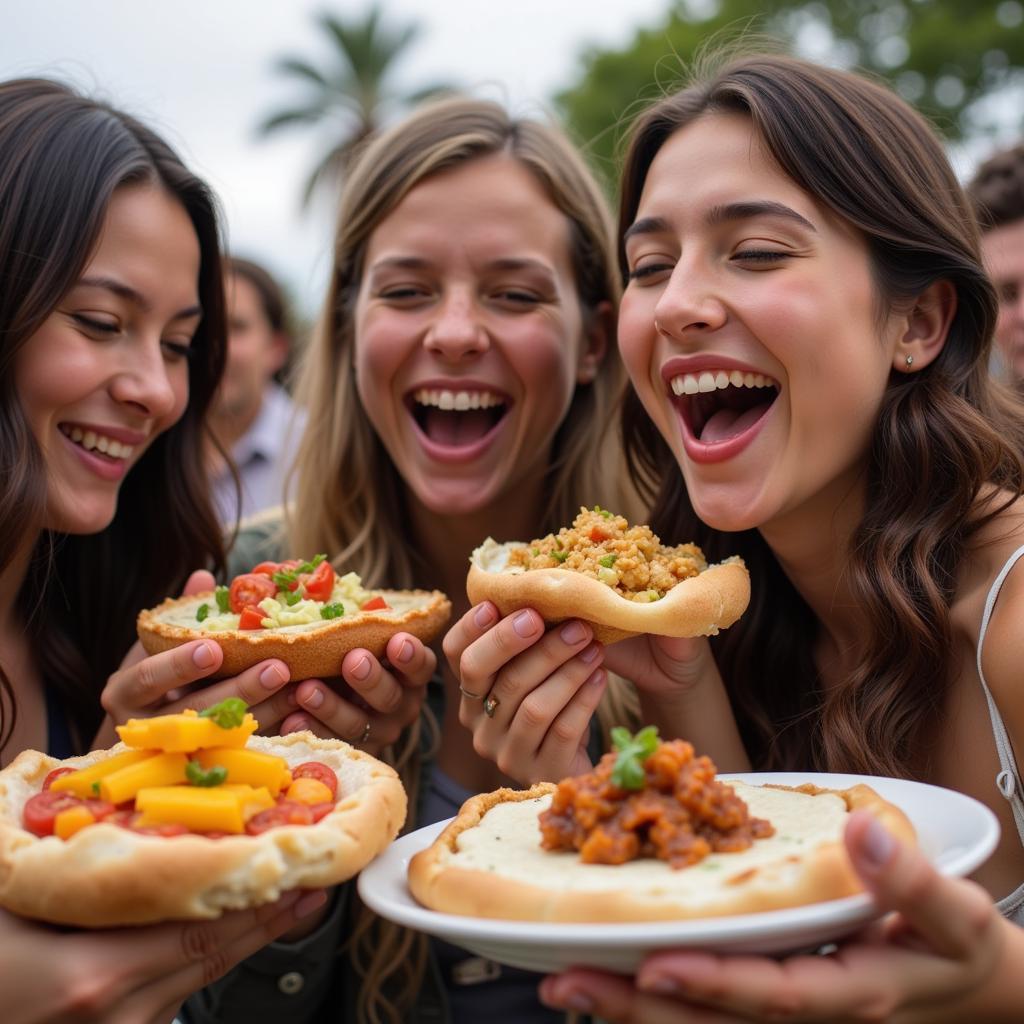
[62,157]
[947,447]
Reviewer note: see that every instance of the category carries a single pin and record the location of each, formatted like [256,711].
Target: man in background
[997,193]
[252,417]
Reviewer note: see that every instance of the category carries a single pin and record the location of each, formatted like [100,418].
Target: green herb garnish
[332,611]
[608,561]
[559,556]
[223,598]
[200,776]
[284,578]
[628,772]
[95,787]
[201,612]
[292,597]
[603,512]
[228,714]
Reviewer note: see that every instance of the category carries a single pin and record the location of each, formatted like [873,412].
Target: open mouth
[97,444]
[457,419]
[717,405]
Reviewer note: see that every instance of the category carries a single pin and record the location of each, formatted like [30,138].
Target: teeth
[460,401]
[718,380]
[90,440]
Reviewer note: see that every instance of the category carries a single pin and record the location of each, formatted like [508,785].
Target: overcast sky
[201,72]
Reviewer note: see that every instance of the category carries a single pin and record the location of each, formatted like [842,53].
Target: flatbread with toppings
[684,845]
[190,816]
[617,577]
[304,613]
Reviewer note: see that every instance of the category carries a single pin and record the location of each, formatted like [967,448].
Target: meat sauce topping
[649,799]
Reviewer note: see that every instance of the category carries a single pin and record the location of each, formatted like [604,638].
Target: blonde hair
[349,498]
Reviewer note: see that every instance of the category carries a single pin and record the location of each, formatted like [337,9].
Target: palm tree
[351,94]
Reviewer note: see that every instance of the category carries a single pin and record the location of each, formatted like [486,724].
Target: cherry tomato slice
[375,603]
[100,809]
[251,618]
[319,771]
[166,830]
[266,569]
[41,810]
[320,583]
[56,774]
[248,590]
[287,812]
[321,810]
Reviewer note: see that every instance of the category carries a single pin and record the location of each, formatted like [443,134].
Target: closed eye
[95,326]
[761,255]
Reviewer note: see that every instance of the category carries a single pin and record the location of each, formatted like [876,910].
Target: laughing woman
[807,328]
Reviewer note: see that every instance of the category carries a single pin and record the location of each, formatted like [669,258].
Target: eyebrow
[722,214]
[502,263]
[123,291]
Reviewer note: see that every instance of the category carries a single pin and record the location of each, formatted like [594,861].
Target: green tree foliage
[350,95]
[946,56]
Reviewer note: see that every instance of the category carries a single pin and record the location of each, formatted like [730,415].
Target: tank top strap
[1008,780]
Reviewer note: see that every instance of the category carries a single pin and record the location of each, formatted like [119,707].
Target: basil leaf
[228,714]
[201,612]
[200,776]
[223,599]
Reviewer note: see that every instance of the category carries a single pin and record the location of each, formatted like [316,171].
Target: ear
[927,325]
[598,331]
[279,350]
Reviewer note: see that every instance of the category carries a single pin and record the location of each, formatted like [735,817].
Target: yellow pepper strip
[67,823]
[159,770]
[309,791]
[248,766]
[81,782]
[217,809]
[184,733]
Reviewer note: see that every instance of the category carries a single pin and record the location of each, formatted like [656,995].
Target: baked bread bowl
[106,874]
[601,570]
[311,645]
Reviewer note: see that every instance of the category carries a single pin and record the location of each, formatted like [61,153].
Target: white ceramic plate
[956,832]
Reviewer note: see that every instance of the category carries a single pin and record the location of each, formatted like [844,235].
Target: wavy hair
[62,158]
[946,454]
[349,494]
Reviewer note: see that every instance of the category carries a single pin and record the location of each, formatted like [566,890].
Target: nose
[457,331]
[144,380]
[689,303]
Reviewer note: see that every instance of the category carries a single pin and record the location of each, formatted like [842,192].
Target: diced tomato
[41,810]
[266,568]
[56,774]
[319,771]
[168,829]
[248,590]
[100,809]
[320,583]
[251,618]
[321,810]
[124,816]
[287,812]
[375,603]
[598,534]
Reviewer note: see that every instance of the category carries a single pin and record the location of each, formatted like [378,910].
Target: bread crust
[105,875]
[439,883]
[697,606]
[307,653]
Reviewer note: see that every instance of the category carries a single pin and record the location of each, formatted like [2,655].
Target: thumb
[199,581]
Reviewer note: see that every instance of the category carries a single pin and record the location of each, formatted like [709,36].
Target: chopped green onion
[223,598]
[559,556]
[200,776]
[608,561]
[603,511]
[228,714]
[536,552]
[95,788]
[201,612]
[628,771]
[332,611]
[311,564]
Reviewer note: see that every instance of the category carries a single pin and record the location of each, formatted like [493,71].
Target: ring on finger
[491,705]
[470,693]
[366,732]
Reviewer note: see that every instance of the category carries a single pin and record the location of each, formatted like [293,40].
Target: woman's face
[108,370]
[469,336]
[749,328]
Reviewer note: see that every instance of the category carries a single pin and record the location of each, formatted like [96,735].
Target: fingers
[198,582]
[260,686]
[140,687]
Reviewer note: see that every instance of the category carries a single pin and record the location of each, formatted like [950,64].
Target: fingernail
[597,679]
[572,633]
[310,902]
[362,669]
[202,656]
[524,624]
[272,677]
[314,699]
[484,615]
[588,654]
[405,654]
[877,845]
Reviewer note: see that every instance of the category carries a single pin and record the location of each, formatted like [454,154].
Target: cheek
[635,340]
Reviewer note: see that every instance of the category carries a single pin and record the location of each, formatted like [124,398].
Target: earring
[910,362]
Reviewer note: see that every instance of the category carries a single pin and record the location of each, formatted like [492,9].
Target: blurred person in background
[253,418]
[997,193]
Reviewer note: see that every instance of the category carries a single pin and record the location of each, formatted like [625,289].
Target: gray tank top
[1008,780]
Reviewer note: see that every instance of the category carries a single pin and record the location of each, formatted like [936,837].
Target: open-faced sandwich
[189,816]
[650,834]
[301,612]
[617,577]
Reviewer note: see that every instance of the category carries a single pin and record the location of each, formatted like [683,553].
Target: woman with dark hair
[807,325]
[111,344]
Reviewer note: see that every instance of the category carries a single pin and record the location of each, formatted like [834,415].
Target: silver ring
[366,732]
[491,705]
[469,693]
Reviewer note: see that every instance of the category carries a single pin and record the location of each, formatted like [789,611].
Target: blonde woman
[458,386]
